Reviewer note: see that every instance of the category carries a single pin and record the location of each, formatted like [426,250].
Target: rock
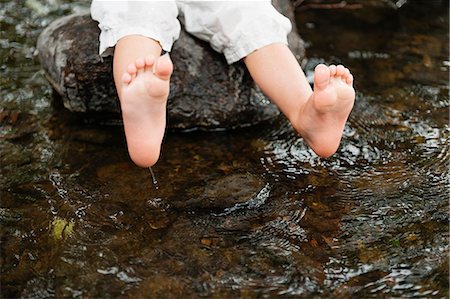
[205,91]
[16,125]
[221,193]
[7,216]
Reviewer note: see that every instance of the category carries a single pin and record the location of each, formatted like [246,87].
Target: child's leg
[319,116]
[138,30]
[142,79]
[238,28]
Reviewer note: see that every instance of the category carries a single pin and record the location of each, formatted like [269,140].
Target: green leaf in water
[395,242]
[61,228]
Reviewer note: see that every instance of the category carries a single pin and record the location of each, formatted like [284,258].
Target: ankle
[296,116]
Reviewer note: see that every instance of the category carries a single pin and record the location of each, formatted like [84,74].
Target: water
[250,213]
[154,180]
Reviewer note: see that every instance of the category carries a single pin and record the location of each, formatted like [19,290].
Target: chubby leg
[142,79]
[319,116]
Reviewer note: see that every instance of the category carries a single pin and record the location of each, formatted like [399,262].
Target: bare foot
[322,118]
[143,102]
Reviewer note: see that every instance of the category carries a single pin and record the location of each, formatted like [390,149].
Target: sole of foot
[143,100]
[322,118]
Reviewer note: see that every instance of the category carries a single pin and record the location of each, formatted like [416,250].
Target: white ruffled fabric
[234,28]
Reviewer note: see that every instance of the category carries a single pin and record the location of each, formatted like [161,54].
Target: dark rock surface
[221,193]
[205,91]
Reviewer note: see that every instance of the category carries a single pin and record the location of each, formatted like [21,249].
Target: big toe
[164,67]
[321,76]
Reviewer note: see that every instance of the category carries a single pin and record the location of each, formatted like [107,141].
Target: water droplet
[154,181]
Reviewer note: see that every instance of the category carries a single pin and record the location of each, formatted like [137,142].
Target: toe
[164,67]
[149,62]
[332,70]
[349,79]
[132,70]
[140,63]
[340,69]
[346,72]
[321,76]
[126,78]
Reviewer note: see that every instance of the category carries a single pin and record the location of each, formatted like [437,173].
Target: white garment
[234,28]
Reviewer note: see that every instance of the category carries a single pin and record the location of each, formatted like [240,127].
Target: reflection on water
[251,213]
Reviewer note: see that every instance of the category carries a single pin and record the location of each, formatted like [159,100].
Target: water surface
[252,212]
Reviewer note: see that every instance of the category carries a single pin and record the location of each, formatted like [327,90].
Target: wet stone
[205,91]
[8,216]
[156,215]
[158,221]
[221,193]
[92,136]
[15,124]
[14,154]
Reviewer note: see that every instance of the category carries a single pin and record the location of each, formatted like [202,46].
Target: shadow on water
[251,213]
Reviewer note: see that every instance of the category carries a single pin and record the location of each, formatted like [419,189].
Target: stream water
[246,213]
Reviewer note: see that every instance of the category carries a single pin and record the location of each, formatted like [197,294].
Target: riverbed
[243,213]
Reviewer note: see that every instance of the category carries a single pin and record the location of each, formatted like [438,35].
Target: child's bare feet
[322,118]
[143,102]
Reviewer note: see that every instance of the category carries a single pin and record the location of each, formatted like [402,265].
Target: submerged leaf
[61,228]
